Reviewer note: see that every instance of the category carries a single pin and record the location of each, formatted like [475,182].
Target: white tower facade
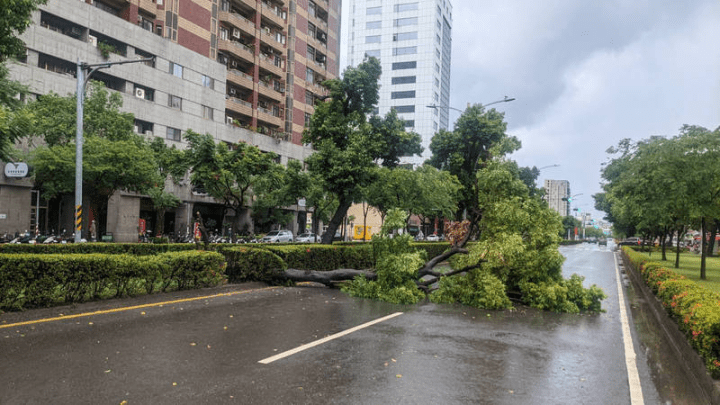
[413,41]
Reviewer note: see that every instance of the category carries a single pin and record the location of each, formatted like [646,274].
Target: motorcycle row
[32,238]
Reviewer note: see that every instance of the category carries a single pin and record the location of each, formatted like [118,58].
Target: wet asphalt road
[207,351]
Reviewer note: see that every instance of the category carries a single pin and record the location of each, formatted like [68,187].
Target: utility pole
[82,80]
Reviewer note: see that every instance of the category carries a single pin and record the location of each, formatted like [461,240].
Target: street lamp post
[82,80]
[504,100]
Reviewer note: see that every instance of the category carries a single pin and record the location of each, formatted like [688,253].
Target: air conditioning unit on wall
[229,120]
[139,93]
[92,40]
[236,33]
[148,133]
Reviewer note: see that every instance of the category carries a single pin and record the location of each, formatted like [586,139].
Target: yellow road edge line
[326,339]
[122,309]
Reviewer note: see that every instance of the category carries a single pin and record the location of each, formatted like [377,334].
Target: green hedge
[105,248]
[695,309]
[252,264]
[324,257]
[31,280]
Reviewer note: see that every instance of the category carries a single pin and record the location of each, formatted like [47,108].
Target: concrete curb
[682,350]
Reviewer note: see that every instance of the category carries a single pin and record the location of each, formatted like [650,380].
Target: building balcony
[240,78]
[268,91]
[275,65]
[239,106]
[313,18]
[316,43]
[239,21]
[249,3]
[269,39]
[237,49]
[148,6]
[267,116]
[274,14]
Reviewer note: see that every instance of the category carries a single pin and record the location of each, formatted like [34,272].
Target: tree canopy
[114,157]
[347,146]
[478,136]
[660,186]
[237,174]
[14,20]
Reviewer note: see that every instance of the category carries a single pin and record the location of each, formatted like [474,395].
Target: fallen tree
[516,255]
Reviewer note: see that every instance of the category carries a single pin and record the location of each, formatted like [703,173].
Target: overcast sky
[586,75]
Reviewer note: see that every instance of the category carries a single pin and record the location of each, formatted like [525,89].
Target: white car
[432,238]
[277,237]
[307,237]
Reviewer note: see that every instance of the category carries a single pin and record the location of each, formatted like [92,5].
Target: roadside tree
[114,157]
[348,148]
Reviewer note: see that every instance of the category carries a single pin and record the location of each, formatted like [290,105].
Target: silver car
[307,237]
[277,237]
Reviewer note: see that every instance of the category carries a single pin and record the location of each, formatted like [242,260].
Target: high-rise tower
[413,41]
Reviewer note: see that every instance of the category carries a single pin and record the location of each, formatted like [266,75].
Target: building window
[307,119]
[405,50]
[403,79]
[404,22]
[409,123]
[405,108]
[437,53]
[437,68]
[404,36]
[372,25]
[373,10]
[174,102]
[406,7]
[373,53]
[437,82]
[435,126]
[173,134]
[439,25]
[437,38]
[309,97]
[404,65]
[310,76]
[208,82]
[402,94]
[207,112]
[372,39]
[176,70]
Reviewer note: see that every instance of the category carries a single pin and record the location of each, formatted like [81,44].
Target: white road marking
[636,395]
[326,339]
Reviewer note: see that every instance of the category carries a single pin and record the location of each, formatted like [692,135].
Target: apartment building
[413,41]
[241,70]
[557,193]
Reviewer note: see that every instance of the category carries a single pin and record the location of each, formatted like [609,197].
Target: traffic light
[568,199]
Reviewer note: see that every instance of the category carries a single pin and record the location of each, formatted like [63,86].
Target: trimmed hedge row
[32,280]
[695,309]
[105,248]
[252,264]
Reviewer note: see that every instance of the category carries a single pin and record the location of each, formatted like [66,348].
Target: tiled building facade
[233,69]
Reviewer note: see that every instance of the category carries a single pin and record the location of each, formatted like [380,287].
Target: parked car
[432,238]
[277,237]
[602,241]
[631,241]
[307,237]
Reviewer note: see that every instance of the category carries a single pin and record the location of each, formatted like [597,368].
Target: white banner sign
[16,169]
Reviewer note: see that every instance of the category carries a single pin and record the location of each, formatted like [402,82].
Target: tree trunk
[160,219]
[713,235]
[329,278]
[235,224]
[337,219]
[703,252]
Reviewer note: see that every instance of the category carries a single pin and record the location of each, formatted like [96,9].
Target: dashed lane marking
[326,339]
[123,309]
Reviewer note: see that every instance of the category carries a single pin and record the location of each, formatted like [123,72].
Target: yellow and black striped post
[78,219]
